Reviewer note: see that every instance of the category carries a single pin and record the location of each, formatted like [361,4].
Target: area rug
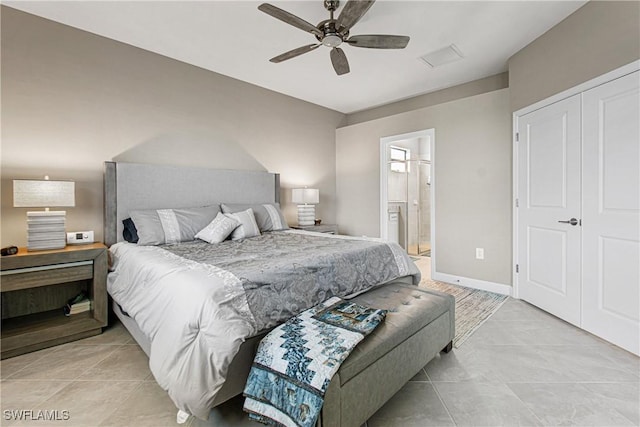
[473,307]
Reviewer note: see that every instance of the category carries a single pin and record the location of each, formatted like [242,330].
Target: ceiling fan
[333,32]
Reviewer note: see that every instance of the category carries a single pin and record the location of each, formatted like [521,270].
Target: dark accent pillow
[129,232]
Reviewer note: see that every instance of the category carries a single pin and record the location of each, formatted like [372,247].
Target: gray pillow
[158,226]
[268,216]
[218,229]
[247,227]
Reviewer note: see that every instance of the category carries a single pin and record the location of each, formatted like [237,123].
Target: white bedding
[194,333]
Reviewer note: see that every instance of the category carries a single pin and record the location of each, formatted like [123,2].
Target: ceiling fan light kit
[333,32]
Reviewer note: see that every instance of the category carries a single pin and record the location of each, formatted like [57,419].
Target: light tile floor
[522,367]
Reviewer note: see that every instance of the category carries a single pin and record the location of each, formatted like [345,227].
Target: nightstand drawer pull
[45,267]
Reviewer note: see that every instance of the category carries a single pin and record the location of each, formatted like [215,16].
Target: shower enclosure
[409,199]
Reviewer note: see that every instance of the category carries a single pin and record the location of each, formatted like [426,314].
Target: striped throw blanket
[296,361]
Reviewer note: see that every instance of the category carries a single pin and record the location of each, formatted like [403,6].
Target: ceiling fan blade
[379,41]
[352,12]
[289,18]
[295,52]
[339,61]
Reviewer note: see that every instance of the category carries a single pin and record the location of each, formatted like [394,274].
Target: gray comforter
[198,302]
[284,273]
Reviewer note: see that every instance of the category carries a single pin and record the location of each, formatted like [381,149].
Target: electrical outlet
[479,253]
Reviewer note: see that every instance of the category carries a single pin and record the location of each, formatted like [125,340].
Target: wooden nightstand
[36,285]
[322,228]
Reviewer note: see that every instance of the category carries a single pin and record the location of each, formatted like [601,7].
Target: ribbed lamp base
[46,230]
[306,214]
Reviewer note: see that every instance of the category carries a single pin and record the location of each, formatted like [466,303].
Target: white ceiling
[235,39]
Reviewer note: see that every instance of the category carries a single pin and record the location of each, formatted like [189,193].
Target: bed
[248,285]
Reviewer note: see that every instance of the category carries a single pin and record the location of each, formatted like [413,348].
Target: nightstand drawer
[25,278]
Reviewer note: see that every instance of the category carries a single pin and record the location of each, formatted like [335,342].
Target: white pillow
[218,229]
[248,226]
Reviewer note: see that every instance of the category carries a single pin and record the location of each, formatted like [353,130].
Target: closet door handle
[572,221]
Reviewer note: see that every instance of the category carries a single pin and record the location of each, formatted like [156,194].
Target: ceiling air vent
[442,56]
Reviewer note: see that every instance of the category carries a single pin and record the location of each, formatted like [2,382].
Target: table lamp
[45,229]
[306,199]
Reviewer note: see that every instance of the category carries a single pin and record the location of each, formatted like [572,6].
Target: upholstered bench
[420,323]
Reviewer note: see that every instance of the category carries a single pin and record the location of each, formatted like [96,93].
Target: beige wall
[71,100]
[476,87]
[472,180]
[599,37]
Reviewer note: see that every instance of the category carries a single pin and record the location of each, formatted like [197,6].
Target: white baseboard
[498,288]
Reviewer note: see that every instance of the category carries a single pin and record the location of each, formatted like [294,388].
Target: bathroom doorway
[407,196]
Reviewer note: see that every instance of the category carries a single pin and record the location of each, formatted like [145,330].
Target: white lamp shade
[305,196]
[29,193]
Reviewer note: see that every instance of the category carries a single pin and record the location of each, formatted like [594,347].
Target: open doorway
[407,191]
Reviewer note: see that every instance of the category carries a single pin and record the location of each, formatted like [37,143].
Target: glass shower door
[424,208]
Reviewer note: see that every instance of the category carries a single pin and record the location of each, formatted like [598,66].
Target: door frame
[385,142]
[590,84]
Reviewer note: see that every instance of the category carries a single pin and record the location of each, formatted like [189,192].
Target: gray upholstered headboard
[129,186]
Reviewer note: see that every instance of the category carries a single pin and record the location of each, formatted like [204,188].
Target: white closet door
[549,192]
[611,206]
